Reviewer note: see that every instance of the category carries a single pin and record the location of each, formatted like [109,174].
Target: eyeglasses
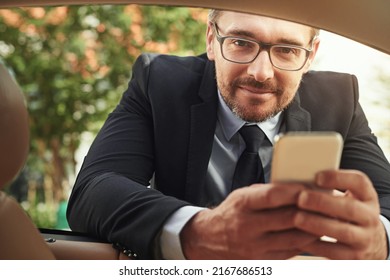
[282,56]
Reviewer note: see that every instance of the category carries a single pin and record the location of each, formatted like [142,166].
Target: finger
[251,225]
[341,207]
[268,196]
[279,245]
[335,251]
[273,220]
[288,240]
[354,181]
[343,232]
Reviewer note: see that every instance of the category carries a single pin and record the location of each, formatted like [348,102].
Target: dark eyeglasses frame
[262,46]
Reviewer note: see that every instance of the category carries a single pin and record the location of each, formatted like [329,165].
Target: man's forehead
[230,15]
[261,26]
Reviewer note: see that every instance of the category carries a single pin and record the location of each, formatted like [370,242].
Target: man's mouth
[252,86]
[257,90]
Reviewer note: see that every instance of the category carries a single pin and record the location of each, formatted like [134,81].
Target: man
[182,126]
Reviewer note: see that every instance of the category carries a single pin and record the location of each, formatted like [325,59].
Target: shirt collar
[231,124]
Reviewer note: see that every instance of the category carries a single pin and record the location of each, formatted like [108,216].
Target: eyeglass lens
[245,51]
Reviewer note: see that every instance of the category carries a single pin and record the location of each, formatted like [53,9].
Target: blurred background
[73,64]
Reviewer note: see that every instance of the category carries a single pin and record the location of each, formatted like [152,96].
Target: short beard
[249,114]
[251,117]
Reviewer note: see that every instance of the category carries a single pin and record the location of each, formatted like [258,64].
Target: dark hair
[214,15]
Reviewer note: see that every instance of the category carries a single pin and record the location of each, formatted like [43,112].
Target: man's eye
[287,51]
[241,43]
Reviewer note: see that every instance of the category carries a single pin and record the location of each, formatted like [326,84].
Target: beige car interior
[19,238]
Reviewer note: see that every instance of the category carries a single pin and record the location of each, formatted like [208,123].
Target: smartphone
[298,156]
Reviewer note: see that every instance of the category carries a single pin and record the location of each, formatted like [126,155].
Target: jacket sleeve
[111,198]
[332,99]
[362,152]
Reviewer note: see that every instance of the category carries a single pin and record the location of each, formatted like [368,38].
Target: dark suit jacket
[164,126]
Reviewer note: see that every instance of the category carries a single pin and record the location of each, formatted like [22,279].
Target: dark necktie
[249,169]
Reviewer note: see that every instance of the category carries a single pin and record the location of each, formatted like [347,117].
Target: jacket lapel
[296,118]
[203,122]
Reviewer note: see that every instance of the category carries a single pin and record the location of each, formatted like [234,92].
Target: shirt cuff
[386,224]
[170,244]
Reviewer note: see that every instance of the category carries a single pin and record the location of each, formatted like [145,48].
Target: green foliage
[43,215]
[73,63]
[160,24]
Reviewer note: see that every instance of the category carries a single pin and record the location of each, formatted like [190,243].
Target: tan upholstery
[19,239]
[13,128]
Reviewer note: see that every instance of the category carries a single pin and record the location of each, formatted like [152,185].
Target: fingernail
[303,197]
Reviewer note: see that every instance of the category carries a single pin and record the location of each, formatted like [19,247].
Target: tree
[73,63]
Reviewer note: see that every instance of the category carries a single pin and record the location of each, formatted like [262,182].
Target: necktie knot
[253,137]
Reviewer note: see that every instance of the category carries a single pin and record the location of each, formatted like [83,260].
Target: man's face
[257,91]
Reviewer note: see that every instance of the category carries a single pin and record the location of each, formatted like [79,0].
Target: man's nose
[261,68]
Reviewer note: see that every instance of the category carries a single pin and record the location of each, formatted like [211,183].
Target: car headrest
[14,128]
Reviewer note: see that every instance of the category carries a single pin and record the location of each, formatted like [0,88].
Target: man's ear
[210,42]
[316,45]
